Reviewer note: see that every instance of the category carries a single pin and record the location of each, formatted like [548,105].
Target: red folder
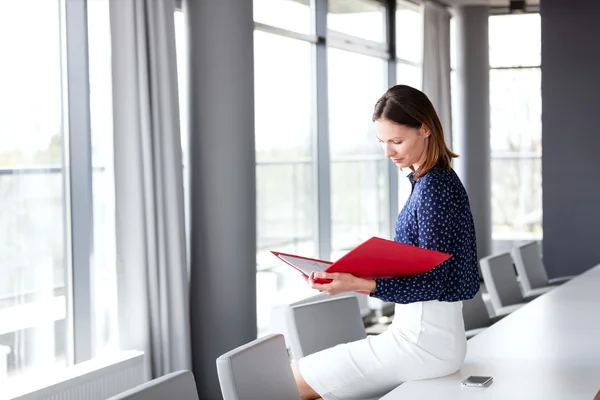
[374,258]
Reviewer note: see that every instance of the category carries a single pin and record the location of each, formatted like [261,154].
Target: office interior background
[312,71]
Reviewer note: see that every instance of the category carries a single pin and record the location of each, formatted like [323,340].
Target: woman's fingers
[326,275]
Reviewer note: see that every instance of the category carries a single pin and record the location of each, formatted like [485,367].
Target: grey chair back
[281,315]
[531,270]
[257,370]
[364,302]
[500,280]
[475,313]
[178,385]
[323,324]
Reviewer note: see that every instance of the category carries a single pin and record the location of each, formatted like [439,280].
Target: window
[363,19]
[356,72]
[58,286]
[358,166]
[409,44]
[313,86]
[516,130]
[103,267]
[33,257]
[286,209]
[293,15]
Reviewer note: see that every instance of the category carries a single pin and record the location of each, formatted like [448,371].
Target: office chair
[257,370]
[178,385]
[501,282]
[531,270]
[319,325]
[476,316]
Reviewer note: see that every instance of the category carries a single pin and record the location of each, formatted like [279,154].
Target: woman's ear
[425,131]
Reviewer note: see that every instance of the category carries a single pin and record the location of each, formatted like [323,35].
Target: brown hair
[408,106]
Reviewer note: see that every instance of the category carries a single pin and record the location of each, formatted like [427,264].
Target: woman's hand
[342,283]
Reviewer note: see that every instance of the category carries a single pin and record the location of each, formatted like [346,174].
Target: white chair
[501,282]
[178,385]
[532,273]
[476,316]
[257,370]
[319,325]
[281,315]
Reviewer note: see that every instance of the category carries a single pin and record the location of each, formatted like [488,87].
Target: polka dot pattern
[436,216]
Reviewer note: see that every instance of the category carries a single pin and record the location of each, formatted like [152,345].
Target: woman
[427,337]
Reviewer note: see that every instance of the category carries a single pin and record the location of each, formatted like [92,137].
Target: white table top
[548,349]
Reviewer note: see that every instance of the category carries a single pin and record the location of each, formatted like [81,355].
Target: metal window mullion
[284,32]
[408,62]
[392,170]
[79,169]
[353,44]
[321,169]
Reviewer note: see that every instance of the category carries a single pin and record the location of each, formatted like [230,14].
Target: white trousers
[426,340]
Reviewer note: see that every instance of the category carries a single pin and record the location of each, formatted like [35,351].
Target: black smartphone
[477,381]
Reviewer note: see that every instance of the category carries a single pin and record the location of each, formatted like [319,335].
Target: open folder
[374,258]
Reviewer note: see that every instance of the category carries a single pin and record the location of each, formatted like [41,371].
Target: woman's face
[404,145]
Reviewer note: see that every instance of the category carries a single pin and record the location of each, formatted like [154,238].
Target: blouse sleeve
[435,225]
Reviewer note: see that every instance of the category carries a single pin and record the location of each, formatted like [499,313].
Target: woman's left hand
[342,283]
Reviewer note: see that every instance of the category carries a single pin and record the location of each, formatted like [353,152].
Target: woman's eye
[397,142]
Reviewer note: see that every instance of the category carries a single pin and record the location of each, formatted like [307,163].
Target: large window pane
[33,265]
[355,83]
[409,32]
[516,128]
[293,15]
[277,286]
[358,167]
[286,205]
[361,18]
[516,198]
[285,209]
[104,272]
[359,203]
[515,40]
[285,222]
[283,82]
[516,110]
[410,75]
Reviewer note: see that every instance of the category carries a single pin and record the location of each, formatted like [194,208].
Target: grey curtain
[436,62]
[153,282]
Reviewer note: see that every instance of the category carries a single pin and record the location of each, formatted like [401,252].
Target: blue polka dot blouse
[436,216]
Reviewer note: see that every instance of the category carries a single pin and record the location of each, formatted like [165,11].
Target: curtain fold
[436,62]
[153,281]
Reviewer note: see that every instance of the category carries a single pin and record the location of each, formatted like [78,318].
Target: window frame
[517,156]
[76,170]
[321,38]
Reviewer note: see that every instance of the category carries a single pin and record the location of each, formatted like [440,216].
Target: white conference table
[548,349]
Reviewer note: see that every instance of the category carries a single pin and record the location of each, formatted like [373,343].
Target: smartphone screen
[477,381]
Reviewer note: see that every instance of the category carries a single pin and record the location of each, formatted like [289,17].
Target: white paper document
[306,266]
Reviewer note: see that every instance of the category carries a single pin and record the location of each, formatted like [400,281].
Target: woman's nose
[389,151]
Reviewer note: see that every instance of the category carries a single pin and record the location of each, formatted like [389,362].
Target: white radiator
[96,379]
